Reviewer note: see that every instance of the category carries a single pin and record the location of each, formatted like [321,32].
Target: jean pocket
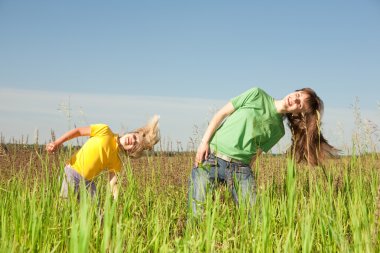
[211,161]
[243,170]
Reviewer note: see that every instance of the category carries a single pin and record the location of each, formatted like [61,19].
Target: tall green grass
[303,210]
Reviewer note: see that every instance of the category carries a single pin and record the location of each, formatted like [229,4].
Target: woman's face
[130,141]
[295,102]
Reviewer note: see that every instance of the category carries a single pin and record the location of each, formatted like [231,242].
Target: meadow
[334,208]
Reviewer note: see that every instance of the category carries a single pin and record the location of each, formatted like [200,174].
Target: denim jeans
[238,177]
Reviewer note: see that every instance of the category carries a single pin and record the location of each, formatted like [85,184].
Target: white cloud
[182,119]
[25,111]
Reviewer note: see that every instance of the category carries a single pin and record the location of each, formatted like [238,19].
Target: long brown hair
[308,142]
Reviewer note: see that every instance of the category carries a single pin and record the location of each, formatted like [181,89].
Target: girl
[247,125]
[101,152]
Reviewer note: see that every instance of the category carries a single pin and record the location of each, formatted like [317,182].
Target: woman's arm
[203,149]
[113,183]
[79,131]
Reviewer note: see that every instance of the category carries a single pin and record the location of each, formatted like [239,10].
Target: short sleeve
[245,97]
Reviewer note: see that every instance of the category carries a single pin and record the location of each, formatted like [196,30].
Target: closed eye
[300,101]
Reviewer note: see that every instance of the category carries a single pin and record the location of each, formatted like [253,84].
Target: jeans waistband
[228,159]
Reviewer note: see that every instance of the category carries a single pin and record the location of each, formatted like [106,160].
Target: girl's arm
[113,183]
[79,131]
[203,149]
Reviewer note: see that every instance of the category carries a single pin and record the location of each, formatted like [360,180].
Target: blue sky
[192,55]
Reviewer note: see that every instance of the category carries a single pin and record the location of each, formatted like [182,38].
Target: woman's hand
[113,184]
[202,153]
[79,131]
[204,148]
[51,147]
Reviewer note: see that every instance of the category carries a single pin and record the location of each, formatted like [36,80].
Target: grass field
[298,209]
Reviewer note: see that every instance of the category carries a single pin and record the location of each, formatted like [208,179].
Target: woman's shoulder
[260,90]
[257,90]
[99,126]
[101,129]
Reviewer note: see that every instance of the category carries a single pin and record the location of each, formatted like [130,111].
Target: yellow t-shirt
[100,152]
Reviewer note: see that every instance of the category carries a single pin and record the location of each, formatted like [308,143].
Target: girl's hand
[204,148]
[51,147]
[113,184]
[202,153]
[115,192]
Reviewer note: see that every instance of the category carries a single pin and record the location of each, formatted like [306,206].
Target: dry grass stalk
[377,217]
[3,150]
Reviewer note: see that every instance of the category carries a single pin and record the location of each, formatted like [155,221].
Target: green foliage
[300,210]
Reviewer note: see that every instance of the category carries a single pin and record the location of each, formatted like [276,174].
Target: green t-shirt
[255,124]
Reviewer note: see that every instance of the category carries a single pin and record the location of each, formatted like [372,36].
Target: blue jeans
[237,175]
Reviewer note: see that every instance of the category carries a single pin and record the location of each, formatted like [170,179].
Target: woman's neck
[280,107]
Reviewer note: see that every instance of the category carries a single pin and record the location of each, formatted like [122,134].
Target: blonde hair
[150,136]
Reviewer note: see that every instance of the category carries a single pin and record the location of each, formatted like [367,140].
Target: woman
[247,125]
[101,153]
